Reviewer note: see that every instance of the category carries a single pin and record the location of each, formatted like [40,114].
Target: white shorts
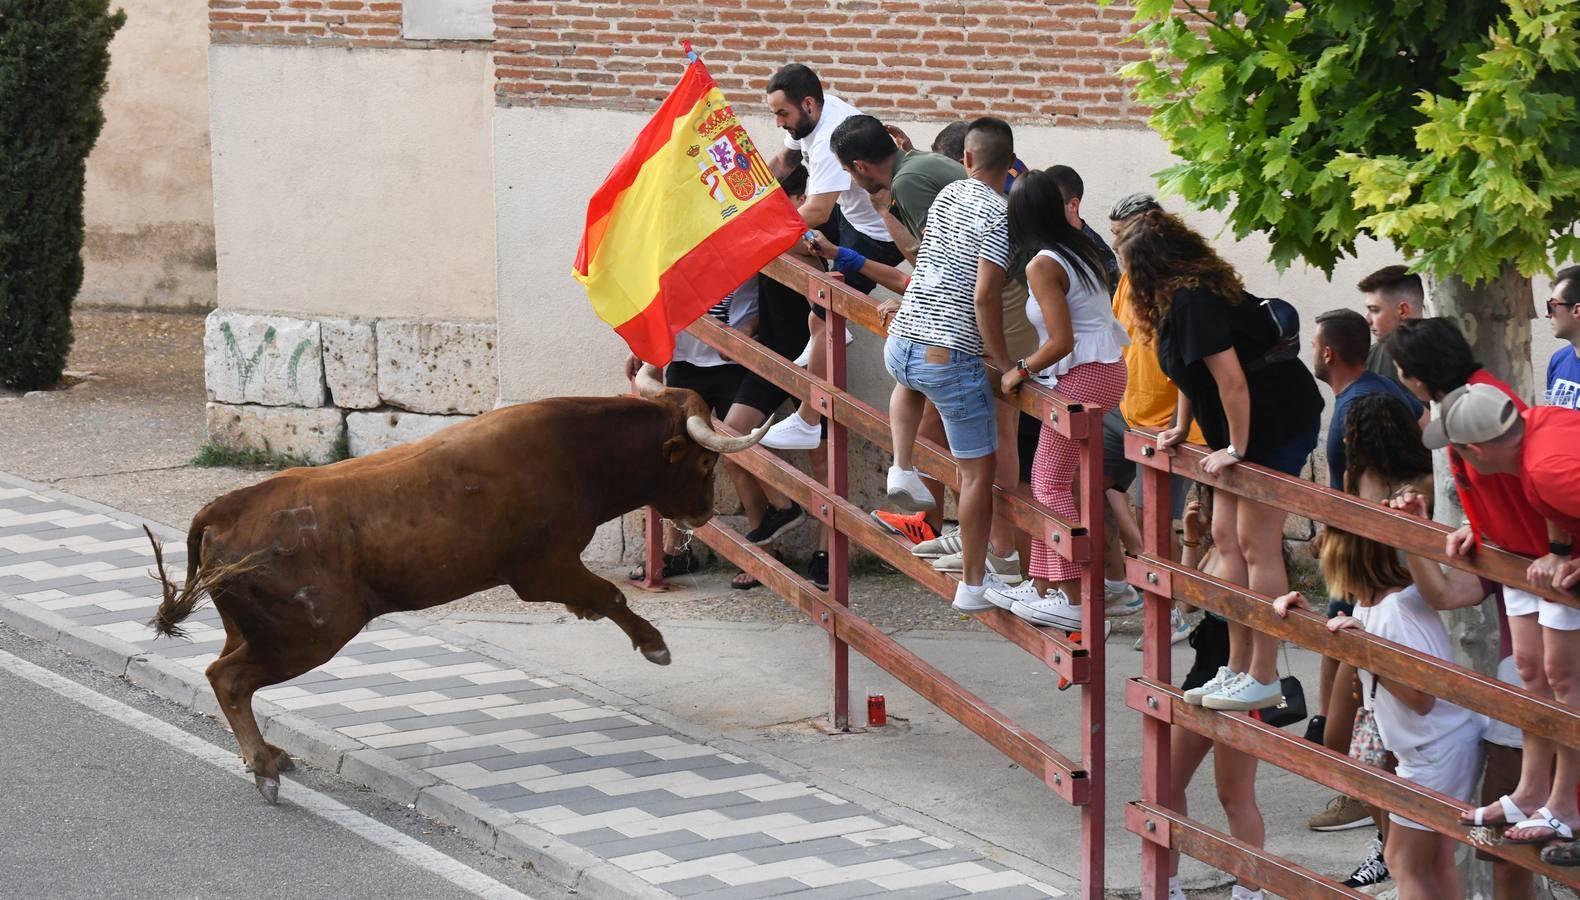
[1449,765]
[1549,614]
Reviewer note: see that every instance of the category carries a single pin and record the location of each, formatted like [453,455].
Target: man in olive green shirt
[875,163]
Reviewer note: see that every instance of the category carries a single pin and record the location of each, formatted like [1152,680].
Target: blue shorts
[958,388]
[1291,457]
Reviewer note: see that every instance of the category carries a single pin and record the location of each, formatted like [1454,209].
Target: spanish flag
[688,214]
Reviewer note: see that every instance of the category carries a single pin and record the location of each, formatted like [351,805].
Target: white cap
[1473,414]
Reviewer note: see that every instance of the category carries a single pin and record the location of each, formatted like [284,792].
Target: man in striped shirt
[950,322]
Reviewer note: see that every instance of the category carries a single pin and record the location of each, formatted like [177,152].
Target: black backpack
[1286,333]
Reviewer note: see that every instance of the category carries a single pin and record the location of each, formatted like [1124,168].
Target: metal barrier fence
[1080,662]
[1154,696]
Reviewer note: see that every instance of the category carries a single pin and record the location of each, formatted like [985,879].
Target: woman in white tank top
[1080,354]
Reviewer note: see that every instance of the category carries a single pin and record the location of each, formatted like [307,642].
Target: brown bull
[298,563]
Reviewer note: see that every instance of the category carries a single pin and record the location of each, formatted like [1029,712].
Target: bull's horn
[701,431]
[647,382]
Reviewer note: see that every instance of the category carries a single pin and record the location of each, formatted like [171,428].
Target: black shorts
[1026,440]
[717,384]
[1210,640]
[1116,468]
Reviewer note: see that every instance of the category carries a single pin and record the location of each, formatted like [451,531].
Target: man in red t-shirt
[1540,446]
[1434,361]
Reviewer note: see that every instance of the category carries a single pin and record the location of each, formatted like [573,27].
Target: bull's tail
[204,576]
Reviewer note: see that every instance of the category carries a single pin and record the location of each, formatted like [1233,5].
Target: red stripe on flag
[697,281]
[660,129]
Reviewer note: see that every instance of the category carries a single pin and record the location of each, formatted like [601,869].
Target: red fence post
[1093,693]
[1156,779]
[839,485]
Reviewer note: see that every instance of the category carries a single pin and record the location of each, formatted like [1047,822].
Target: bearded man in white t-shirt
[834,205]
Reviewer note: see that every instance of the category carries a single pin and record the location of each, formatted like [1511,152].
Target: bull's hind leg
[235,677]
[591,597]
[233,640]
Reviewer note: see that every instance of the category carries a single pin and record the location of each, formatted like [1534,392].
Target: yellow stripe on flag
[663,215]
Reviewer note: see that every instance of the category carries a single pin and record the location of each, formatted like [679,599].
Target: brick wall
[1050,63]
[327,23]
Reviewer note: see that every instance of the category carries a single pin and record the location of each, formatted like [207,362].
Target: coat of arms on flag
[688,214]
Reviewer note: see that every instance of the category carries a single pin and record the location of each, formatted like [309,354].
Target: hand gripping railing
[1081,662]
[1162,705]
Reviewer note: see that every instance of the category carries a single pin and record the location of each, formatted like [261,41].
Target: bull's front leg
[591,597]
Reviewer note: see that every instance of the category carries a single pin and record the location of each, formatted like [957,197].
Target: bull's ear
[675,448]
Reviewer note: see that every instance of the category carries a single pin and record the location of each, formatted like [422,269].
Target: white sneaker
[1244,694]
[1224,676]
[970,599]
[1006,568]
[806,352]
[1122,601]
[1053,609]
[1006,597]
[943,545]
[794,433]
[1240,893]
[1179,629]
[907,491]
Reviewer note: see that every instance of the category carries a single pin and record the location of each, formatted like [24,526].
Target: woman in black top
[1212,340]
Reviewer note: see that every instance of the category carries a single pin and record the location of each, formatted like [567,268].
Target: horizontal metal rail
[1314,762]
[1029,751]
[1163,827]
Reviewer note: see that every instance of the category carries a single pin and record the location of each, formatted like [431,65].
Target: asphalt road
[109,791]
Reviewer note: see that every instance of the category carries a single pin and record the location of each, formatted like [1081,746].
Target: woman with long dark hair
[1081,354]
[1214,341]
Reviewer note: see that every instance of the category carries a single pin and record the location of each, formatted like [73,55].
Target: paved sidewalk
[589,792]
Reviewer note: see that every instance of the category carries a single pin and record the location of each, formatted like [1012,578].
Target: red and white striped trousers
[1053,468]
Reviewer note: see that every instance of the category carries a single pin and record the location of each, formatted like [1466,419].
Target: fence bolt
[1151,826]
[823,508]
[1057,537]
[1058,658]
[1152,703]
[1053,416]
[825,617]
[1149,451]
[822,403]
[1152,578]
[1057,778]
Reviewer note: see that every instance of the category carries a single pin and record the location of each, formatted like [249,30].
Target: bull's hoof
[269,788]
[659,656]
[284,763]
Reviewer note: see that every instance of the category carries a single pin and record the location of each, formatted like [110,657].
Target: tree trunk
[1495,317]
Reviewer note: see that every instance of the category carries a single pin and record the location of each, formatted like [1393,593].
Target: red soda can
[877,711]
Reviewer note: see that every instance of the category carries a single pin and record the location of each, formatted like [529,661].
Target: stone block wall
[318,388]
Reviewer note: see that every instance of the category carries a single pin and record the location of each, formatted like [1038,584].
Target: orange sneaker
[911,526]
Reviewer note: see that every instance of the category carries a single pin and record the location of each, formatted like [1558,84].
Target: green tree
[1449,129]
[54,55]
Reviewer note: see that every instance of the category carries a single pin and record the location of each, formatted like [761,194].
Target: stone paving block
[690,887]
[778,887]
[268,360]
[781,851]
[706,766]
[936,858]
[809,808]
[925,892]
[897,850]
[619,845]
[385,775]
[370,432]
[621,761]
[697,849]
[1017,892]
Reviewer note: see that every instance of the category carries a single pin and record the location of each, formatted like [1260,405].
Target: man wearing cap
[1541,447]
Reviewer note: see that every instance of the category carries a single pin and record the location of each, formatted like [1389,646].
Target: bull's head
[692,455]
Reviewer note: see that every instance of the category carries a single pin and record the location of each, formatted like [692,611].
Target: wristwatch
[1020,364]
[1232,452]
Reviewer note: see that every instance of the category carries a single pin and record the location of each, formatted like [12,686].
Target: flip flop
[744,581]
[1544,818]
[1477,818]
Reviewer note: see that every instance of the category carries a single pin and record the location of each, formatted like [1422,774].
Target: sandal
[1562,853]
[1544,819]
[1477,818]
[745,581]
[674,564]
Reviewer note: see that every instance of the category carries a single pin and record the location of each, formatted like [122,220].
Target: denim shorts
[958,388]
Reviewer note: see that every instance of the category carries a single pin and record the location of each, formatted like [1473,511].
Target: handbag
[1293,709]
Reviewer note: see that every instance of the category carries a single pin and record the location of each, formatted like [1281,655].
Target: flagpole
[691,55]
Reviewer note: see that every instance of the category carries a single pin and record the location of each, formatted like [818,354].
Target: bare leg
[1422,864]
[1261,533]
[976,513]
[905,417]
[932,428]
[755,496]
[1536,762]
[1187,749]
[1006,471]
[1236,776]
[1563,675]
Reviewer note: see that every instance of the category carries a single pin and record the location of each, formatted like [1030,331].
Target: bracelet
[1191,544]
[1558,549]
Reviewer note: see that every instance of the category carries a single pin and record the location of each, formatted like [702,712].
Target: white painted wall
[353,182]
[148,208]
[547,162]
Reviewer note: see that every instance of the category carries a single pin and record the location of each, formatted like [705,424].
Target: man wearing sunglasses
[1563,370]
